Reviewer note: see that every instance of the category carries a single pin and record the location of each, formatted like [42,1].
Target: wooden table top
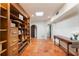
[64,38]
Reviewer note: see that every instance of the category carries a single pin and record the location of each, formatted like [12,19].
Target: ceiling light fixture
[39,13]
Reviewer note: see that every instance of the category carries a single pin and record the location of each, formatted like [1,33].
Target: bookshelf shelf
[3,17]
[3,30]
[23,45]
[3,41]
[2,7]
[3,51]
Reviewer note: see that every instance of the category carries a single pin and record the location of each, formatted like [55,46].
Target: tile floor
[42,48]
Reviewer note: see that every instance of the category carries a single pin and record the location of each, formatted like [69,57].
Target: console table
[64,39]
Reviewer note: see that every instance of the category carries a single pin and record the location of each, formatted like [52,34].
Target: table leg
[54,40]
[59,42]
[68,49]
[77,51]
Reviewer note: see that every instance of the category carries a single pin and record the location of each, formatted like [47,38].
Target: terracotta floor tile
[42,48]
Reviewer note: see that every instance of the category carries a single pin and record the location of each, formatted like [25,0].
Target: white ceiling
[49,9]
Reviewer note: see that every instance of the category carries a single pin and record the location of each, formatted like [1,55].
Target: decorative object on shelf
[13,25]
[75,36]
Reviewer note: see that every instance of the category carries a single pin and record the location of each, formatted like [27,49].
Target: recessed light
[39,13]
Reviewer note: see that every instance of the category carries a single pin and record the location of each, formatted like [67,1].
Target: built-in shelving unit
[3,29]
[19,23]
[14,30]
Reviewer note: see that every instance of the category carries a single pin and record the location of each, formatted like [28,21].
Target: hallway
[19,22]
[42,48]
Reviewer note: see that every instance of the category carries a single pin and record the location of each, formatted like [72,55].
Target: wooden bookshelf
[20,24]
[3,29]
[13,29]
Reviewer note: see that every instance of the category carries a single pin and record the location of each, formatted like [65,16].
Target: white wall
[42,29]
[66,27]
[69,25]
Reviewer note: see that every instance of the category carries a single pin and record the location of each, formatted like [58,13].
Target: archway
[33,31]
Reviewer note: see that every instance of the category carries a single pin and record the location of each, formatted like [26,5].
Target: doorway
[33,31]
